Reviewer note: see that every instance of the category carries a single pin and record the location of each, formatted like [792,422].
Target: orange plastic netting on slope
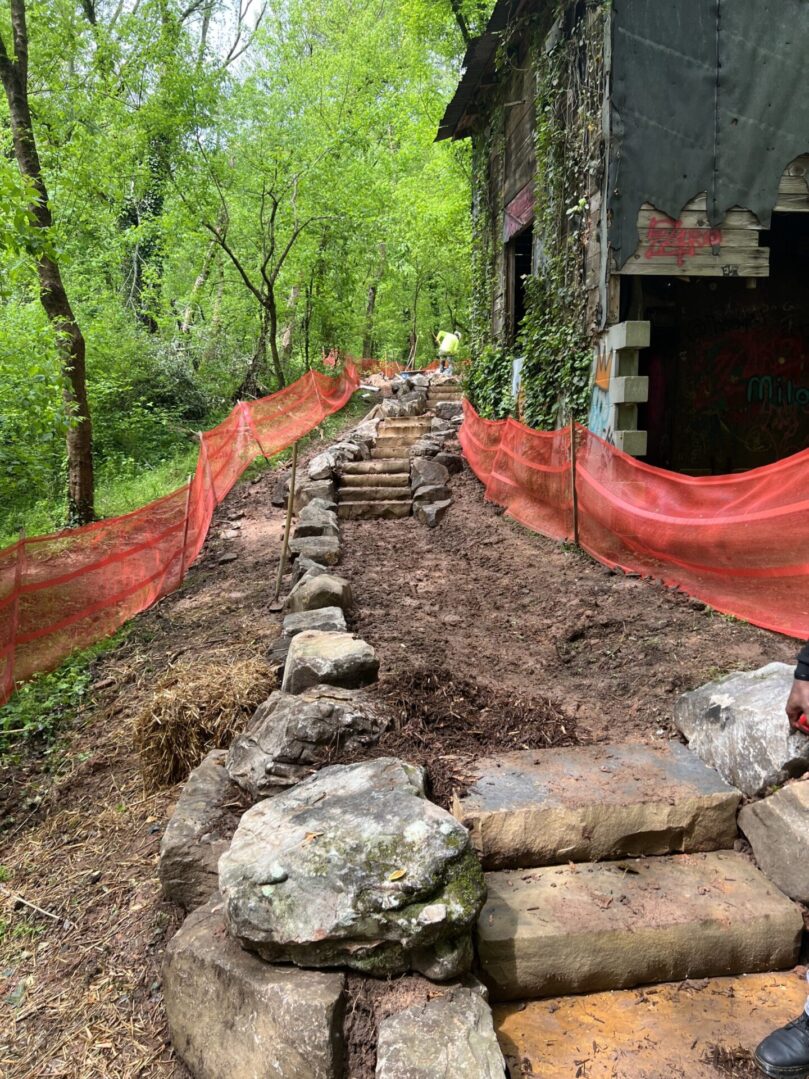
[739,543]
[66,591]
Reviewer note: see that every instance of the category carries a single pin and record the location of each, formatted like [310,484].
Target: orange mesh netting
[66,591]
[739,543]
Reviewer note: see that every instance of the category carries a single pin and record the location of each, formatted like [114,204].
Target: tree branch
[463,26]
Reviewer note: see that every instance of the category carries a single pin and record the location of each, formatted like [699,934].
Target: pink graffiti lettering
[665,238]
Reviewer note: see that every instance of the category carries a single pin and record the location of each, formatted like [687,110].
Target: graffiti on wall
[748,388]
[666,238]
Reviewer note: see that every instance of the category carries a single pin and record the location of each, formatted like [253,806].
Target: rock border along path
[613,865]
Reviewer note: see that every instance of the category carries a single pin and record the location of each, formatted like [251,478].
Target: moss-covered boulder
[355,867]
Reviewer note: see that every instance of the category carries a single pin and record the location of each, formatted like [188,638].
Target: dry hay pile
[445,722]
[194,708]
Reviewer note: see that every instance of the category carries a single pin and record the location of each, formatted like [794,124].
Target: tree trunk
[463,26]
[272,312]
[368,344]
[287,337]
[53,296]
[251,386]
[199,284]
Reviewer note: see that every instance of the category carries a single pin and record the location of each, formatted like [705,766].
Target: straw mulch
[196,707]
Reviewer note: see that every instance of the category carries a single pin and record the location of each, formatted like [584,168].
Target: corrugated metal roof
[479,63]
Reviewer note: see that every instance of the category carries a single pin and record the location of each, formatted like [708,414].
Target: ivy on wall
[554,336]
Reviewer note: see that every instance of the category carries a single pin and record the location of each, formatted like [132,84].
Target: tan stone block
[586,928]
[593,803]
[778,833]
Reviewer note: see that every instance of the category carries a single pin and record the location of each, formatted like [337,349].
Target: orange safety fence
[740,543]
[69,590]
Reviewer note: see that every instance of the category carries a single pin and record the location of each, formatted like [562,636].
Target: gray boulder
[739,727]
[449,1037]
[316,522]
[349,450]
[424,447]
[427,473]
[324,619]
[322,549]
[316,590]
[332,659]
[776,828]
[290,735]
[366,433]
[448,410]
[200,830]
[432,494]
[322,466]
[453,462]
[430,513]
[231,1016]
[307,492]
[354,867]
[306,567]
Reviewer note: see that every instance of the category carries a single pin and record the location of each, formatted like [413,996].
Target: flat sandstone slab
[777,830]
[594,803]
[664,1030]
[586,928]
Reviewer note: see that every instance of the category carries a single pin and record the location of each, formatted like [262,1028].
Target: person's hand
[798,703]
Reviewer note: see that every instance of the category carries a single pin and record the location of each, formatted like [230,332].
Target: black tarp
[708,96]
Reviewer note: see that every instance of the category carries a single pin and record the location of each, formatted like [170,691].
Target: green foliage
[43,706]
[488,383]
[153,127]
[554,335]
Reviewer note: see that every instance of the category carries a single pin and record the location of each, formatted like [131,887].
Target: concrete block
[629,390]
[635,443]
[587,928]
[593,803]
[629,335]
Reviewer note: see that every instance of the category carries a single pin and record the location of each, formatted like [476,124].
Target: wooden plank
[731,262]
[697,218]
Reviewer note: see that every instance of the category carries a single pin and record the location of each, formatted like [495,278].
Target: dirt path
[500,607]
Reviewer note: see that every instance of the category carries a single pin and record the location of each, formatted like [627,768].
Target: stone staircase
[380,487]
[610,868]
[439,392]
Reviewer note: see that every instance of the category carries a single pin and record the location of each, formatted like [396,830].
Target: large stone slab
[778,830]
[232,1015]
[739,727]
[312,490]
[317,589]
[664,1032]
[322,549]
[290,735]
[354,867]
[334,659]
[449,1037]
[200,830]
[593,803]
[585,928]
[323,619]
[365,510]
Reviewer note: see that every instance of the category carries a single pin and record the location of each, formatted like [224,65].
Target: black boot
[785,1054]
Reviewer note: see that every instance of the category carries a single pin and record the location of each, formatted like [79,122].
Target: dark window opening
[729,362]
[520,259]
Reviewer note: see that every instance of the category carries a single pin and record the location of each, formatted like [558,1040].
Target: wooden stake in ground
[282,565]
[573,489]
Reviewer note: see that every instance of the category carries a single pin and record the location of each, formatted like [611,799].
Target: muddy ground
[521,624]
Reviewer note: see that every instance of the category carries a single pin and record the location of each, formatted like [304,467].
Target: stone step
[592,803]
[402,434]
[389,452]
[367,511]
[403,422]
[372,494]
[613,925]
[394,465]
[375,479]
[665,1031]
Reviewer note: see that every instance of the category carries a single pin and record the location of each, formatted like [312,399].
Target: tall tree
[53,295]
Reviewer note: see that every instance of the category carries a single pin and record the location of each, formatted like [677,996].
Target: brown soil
[445,723]
[536,637]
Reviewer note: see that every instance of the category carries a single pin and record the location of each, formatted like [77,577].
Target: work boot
[785,1053]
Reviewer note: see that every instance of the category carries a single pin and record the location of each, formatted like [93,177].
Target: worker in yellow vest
[448,346]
